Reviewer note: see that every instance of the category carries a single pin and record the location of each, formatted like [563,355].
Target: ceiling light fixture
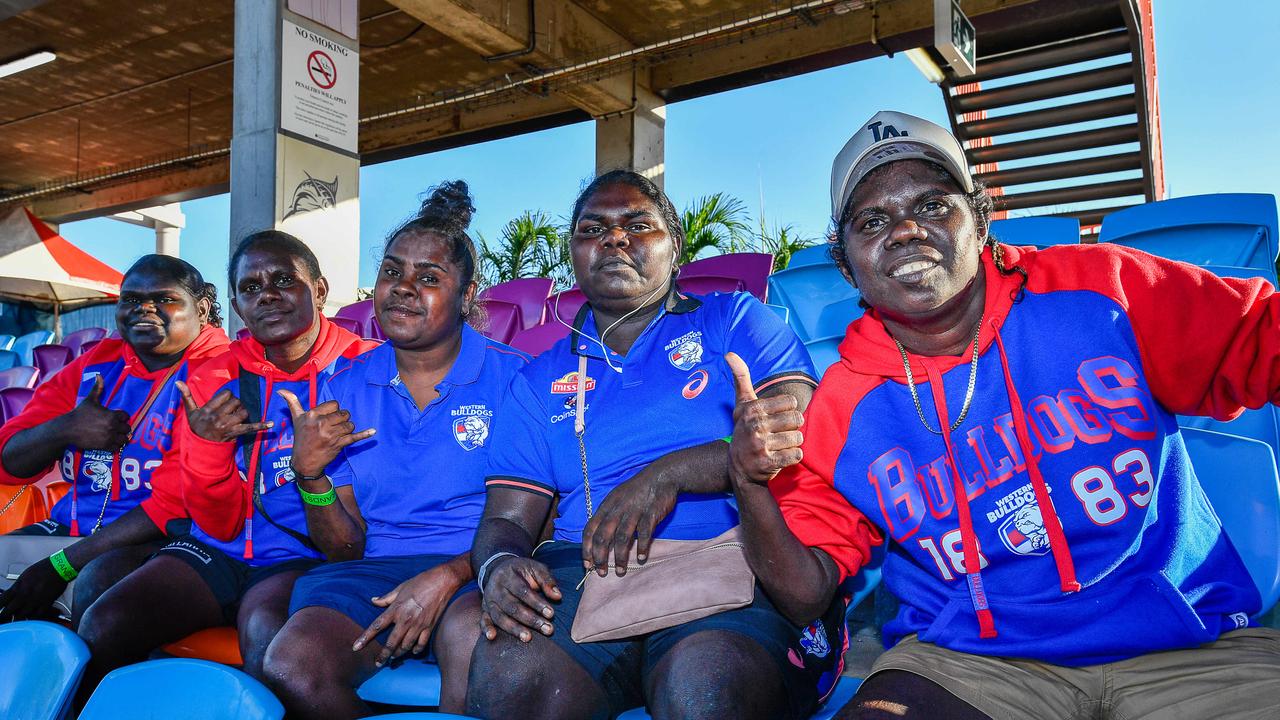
[925,64]
[26,63]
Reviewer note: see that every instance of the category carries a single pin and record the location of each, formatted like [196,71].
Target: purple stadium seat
[243,334]
[51,358]
[530,294]
[707,284]
[347,323]
[88,346]
[539,338]
[23,376]
[502,320]
[12,400]
[77,339]
[751,268]
[362,312]
[565,305]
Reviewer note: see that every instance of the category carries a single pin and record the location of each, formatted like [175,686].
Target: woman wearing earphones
[624,420]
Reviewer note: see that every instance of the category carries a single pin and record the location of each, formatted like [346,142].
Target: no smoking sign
[321,68]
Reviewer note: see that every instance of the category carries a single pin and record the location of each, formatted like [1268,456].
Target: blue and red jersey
[1062,520]
[671,391]
[106,485]
[217,476]
[419,482]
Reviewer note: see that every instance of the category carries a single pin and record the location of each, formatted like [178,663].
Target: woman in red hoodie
[248,540]
[105,420]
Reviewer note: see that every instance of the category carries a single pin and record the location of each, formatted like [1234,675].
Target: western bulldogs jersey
[1090,539]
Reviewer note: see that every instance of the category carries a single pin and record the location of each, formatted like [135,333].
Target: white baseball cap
[888,137]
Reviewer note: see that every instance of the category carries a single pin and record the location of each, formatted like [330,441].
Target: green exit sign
[954,37]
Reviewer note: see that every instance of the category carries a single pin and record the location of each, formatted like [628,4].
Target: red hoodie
[214,486]
[146,471]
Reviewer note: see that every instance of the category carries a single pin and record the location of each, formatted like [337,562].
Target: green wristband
[63,566]
[728,439]
[327,497]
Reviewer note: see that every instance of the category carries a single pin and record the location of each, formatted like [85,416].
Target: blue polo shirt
[671,391]
[419,481]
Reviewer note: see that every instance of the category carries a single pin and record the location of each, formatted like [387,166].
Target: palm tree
[782,241]
[531,245]
[714,224]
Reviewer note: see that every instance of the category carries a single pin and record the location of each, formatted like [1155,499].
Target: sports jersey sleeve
[1209,345]
[212,489]
[54,398]
[818,514]
[766,344]
[519,456]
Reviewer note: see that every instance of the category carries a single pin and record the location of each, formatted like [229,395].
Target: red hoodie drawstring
[1057,539]
[252,466]
[968,539]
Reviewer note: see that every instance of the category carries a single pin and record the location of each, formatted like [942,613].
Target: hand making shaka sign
[222,419]
[319,434]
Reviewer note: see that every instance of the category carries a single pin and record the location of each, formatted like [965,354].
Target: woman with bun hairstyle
[106,421]
[234,440]
[409,498]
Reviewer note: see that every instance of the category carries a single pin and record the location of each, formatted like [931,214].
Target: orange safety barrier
[220,645]
[25,505]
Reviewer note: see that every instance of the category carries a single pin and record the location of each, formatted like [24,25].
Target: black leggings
[900,695]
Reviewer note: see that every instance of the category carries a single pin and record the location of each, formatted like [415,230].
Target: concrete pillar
[633,139]
[294,154]
[167,240]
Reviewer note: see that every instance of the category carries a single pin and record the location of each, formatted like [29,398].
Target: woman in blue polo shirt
[643,384]
[407,499]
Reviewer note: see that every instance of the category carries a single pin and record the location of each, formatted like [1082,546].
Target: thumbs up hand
[766,431]
[94,427]
[319,434]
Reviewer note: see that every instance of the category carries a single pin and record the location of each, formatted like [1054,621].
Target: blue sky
[1219,107]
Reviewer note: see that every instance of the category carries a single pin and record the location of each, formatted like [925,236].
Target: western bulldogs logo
[284,470]
[471,426]
[685,352]
[814,640]
[97,467]
[1023,532]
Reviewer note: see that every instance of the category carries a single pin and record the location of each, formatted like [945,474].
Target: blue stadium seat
[834,319]
[806,291]
[181,688]
[418,716]
[812,255]
[9,359]
[778,310]
[25,344]
[412,683]
[1239,478]
[43,663]
[844,692]
[1038,231]
[6,342]
[824,352]
[1239,230]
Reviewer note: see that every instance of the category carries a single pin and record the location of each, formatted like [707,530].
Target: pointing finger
[743,387]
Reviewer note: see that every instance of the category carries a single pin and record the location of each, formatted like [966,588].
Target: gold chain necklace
[968,395]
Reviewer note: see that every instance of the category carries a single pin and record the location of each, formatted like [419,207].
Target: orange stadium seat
[27,507]
[55,491]
[218,644]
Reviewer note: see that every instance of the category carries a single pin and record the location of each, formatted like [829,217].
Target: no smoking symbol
[322,70]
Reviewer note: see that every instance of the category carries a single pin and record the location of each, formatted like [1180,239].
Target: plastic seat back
[181,688]
[412,683]
[834,319]
[538,339]
[501,321]
[21,376]
[49,359]
[751,268]
[215,644]
[348,324]
[824,352]
[806,291]
[77,339]
[8,359]
[529,294]
[1262,425]
[1229,229]
[362,312]
[43,663]
[55,491]
[6,342]
[813,255]
[1239,477]
[1038,231]
[707,284]
[26,343]
[88,346]
[13,400]
[564,305]
[28,507]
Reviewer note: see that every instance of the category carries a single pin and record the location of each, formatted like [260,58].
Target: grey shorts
[1235,678]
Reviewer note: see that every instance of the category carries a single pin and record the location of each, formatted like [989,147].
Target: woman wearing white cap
[1005,418]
